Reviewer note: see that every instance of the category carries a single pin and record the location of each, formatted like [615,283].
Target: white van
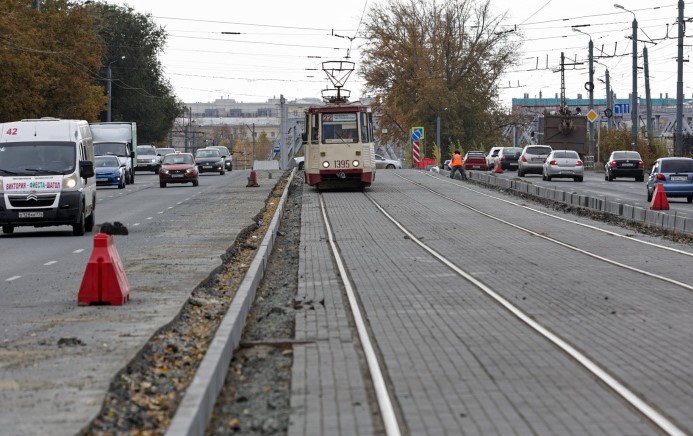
[47,174]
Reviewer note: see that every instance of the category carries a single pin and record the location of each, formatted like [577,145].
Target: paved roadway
[176,237]
[455,360]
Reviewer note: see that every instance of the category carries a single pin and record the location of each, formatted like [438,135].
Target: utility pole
[634,97]
[609,101]
[648,100]
[283,123]
[678,140]
[590,87]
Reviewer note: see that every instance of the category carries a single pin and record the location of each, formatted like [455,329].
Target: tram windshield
[339,128]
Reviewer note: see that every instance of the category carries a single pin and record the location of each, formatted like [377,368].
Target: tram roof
[332,108]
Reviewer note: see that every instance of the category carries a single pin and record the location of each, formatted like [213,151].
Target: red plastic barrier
[104,280]
[659,199]
[252,180]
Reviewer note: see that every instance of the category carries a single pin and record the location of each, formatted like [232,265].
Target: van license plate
[30,214]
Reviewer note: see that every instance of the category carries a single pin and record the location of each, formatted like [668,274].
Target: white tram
[339,148]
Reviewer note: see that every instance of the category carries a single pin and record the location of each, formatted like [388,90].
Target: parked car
[508,157]
[178,168]
[532,159]
[676,176]
[491,157]
[147,159]
[226,154]
[209,160]
[109,171]
[474,160]
[390,164]
[624,163]
[563,164]
[446,164]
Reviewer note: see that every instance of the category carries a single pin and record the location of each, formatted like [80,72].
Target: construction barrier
[659,199]
[104,280]
[252,180]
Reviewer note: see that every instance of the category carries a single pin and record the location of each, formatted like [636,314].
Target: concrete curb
[195,410]
[669,220]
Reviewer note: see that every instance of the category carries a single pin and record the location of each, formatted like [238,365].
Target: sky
[259,50]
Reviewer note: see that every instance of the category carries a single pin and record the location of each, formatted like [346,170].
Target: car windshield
[114,148]
[174,159]
[208,153]
[106,161]
[538,150]
[626,155]
[512,151]
[566,154]
[37,158]
[146,151]
[677,166]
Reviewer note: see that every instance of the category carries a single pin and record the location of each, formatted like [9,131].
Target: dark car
[624,163]
[508,157]
[109,171]
[226,154]
[178,168]
[209,160]
[676,176]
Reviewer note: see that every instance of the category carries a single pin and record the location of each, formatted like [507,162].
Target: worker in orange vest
[456,164]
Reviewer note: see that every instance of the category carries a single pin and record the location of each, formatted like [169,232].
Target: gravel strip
[144,396]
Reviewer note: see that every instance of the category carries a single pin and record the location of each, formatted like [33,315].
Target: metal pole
[634,96]
[253,133]
[591,90]
[678,140]
[438,131]
[609,101]
[108,91]
[648,100]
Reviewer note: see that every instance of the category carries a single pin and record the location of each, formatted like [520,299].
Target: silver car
[383,162]
[532,159]
[563,164]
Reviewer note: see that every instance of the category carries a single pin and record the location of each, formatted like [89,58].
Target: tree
[50,57]
[139,91]
[424,59]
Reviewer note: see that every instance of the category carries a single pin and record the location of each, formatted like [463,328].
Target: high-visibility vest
[456,160]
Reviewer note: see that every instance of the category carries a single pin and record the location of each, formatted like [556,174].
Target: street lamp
[589,86]
[108,91]
[634,96]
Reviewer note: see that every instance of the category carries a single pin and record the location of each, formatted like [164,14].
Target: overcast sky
[282,44]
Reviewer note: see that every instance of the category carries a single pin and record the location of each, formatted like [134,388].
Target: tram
[338,144]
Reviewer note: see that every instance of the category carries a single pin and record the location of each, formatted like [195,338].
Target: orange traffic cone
[104,280]
[498,168]
[659,199]
[252,180]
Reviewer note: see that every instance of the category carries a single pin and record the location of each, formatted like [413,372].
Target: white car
[491,157]
[563,164]
[390,164]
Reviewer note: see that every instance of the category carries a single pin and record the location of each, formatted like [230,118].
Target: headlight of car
[70,181]
[163,171]
[153,161]
[190,171]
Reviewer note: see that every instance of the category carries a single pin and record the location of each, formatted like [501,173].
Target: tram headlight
[355,164]
[326,164]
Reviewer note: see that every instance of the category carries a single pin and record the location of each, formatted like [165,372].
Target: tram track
[385,397]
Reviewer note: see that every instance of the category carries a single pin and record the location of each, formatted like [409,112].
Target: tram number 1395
[340,164]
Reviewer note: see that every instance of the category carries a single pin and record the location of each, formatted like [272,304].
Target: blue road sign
[276,150]
[417,133]
[621,108]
